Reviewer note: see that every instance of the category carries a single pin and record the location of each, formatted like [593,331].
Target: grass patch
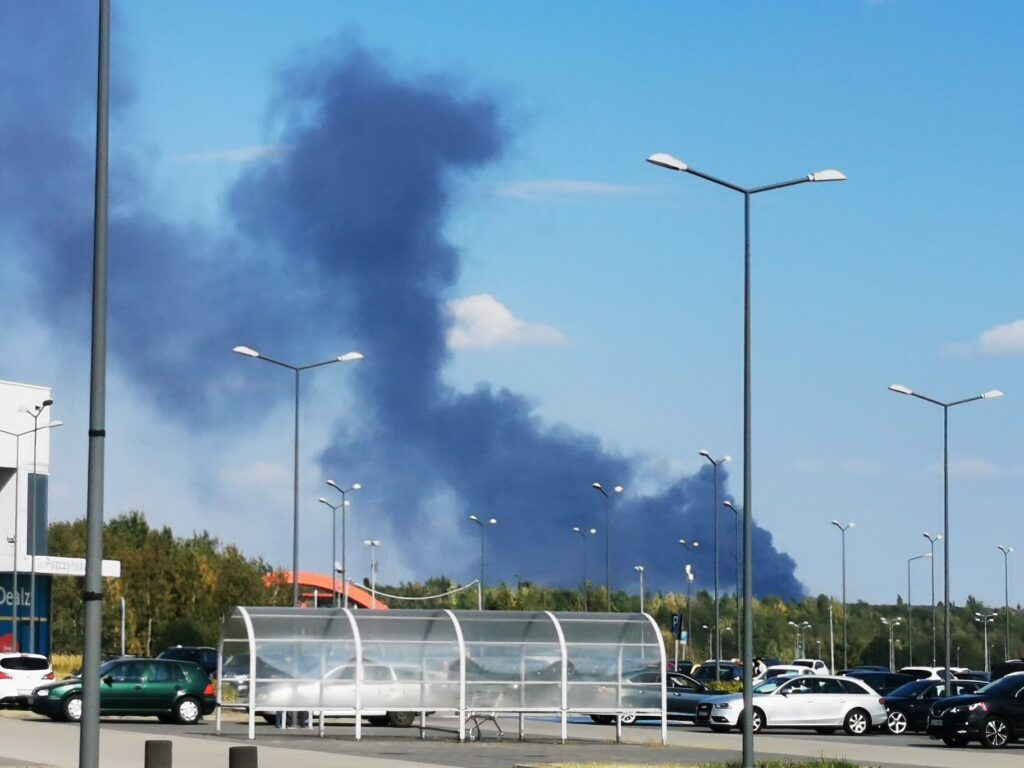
[65,663]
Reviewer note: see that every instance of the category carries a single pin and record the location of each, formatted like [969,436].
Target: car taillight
[208,690]
[5,676]
[48,676]
[882,701]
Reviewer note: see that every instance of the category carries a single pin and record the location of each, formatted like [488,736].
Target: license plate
[935,721]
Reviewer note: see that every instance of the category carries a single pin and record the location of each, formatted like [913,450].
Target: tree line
[177,590]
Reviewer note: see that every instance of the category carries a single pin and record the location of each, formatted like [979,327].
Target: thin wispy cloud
[483,322]
[546,189]
[234,155]
[998,341]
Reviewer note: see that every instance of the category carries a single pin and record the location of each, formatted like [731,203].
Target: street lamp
[990,395]
[344,541]
[32,539]
[607,539]
[16,643]
[710,636]
[689,607]
[910,612]
[373,544]
[1006,587]
[843,529]
[892,624]
[583,545]
[931,542]
[640,570]
[483,531]
[334,548]
[348,357]
[674,164]
[985,620]
[737,514]
[800,628]
[714,518]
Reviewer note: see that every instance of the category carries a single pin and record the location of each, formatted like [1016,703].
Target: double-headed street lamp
[582,533]
[344,541]
[892,624]
[675,164]
[607,539]
[985,619]
[348,357]
[931,542]
[483,531]
[1006,594]
[33,534]
[737,514]
[14,539]
[373,544]
[640,571]
[990,395]
[843,529]
[799,628]
[714,518]
[689,607]
[910,612]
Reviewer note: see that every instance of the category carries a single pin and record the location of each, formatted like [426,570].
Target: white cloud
[542,189]
[1005,339]
[235,155]
[259,473]
[483,322]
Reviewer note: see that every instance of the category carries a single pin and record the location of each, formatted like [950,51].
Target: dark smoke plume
[339,243]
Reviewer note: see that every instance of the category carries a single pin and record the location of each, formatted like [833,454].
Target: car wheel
[627,718]
[603,719]
[72,708]
[896,722]
[995,733]
[857,723]
[400,719]
[954,741]
[757,722]
[186,711]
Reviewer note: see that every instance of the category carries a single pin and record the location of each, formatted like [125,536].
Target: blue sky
[608,291]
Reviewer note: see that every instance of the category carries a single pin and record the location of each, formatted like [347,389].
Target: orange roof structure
[317,589]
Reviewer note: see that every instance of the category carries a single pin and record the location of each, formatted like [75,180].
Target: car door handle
[138,687]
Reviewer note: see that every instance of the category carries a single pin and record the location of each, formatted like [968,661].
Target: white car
[932,673]
[817,666]
[19,674]
[825,704]
[781,670]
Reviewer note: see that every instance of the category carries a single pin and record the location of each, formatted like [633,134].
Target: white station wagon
[825,704]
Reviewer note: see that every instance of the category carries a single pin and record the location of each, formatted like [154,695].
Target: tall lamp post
[483,531]
[711,636]
[373,544]
[892,624]
[583,545]
[737,514]
[348,357]
[640,570]
[910,612]
[843,529]
[607,539]
[334,548]
[689,608]
[674,164]
[990,395]
[985,619]
[714,518]
[800,628]
[344,541]
[931,542]
[32,539]
[1006,594]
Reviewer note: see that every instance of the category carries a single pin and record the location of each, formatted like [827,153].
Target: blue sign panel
[22,604]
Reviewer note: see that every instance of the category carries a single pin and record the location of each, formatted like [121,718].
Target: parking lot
[30,740]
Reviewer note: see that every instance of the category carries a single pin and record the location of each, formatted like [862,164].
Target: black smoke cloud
[339,243]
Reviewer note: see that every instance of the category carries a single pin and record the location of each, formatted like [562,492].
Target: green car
[173,691]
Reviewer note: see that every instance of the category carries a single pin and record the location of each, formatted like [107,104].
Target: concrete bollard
[243,757]
[158,753]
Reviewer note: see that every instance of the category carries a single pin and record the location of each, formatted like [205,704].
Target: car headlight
[723,705]
[43,692]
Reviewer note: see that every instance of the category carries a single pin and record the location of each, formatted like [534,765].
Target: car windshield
[771,684]
[1006,686]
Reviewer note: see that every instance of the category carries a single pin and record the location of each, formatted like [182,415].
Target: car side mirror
[784,693]
[108,680]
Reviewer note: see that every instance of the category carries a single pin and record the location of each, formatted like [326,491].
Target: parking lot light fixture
[690,576]
[990,395]
[1006,594]
[297,370]
[843,529]
[583,533]
[736,517]
[714,519]
[931,542]
[892,624]
[910,611]
[618,489]
[483,531]
[344,539]
[985,619]
[373,544]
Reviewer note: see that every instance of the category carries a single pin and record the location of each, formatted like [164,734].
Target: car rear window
[24,663]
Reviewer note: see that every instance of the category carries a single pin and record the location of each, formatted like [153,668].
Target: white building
[27,425]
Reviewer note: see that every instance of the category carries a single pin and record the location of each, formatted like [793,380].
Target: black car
[682,693]
[994,715]
[908,706]
[883,682]
[204,656]
[727,672]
